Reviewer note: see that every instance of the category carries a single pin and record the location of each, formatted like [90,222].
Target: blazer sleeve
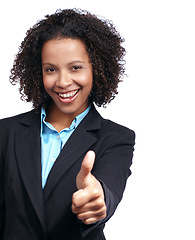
[112,169]
[2,185]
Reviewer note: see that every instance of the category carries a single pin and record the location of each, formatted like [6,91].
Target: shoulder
[107,129]
[12,119]
[115,127]
[116,130]
[14,122]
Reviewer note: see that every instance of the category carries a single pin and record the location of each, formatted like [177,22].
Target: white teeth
[67,95]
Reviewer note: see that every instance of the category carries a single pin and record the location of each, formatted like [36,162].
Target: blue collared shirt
[52,141]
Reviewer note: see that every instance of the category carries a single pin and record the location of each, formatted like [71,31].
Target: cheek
[48,84]
[87,82]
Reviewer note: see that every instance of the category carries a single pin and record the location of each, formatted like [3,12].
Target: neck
[58,119]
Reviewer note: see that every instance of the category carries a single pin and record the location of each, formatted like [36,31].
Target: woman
[63,168]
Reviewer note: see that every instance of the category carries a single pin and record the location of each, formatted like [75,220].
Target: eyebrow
[75,61]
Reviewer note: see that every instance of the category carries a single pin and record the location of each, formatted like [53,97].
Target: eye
[50,70]
[76,67]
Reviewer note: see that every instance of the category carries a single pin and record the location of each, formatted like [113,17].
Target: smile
[68,97]
[68,94]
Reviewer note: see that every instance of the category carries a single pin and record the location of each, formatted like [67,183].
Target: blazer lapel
[28,153]
[77,145]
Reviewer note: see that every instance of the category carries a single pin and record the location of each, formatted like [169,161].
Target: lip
[69,98]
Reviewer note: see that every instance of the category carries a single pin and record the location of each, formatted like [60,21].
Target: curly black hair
[103,44]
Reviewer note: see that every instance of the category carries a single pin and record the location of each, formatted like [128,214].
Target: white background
[156,100]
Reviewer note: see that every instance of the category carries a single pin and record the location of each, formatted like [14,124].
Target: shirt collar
[73,125]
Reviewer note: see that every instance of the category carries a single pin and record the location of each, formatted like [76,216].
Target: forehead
[64,48]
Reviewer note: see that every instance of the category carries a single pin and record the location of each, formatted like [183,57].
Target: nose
[63,80]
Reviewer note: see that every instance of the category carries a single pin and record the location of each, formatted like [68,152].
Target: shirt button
[58,137]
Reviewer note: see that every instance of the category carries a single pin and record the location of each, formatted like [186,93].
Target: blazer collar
[28,153]
[31,118]
[93,120]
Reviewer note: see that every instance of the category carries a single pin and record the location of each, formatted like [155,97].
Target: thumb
[85,171]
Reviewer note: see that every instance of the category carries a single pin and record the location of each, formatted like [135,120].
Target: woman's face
[67,75]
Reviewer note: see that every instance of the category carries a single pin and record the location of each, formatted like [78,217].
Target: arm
[111,169]
[2,192]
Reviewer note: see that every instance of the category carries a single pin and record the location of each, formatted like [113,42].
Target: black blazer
[30,213]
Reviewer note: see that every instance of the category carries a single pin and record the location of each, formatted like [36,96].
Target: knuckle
[100,202]
[87,221]
[74,204]
[95,193]
[73,208]
[79,216]
[104,209]
[74,199]
[104,216]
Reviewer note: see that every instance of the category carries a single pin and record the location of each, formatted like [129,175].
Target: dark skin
[88,202]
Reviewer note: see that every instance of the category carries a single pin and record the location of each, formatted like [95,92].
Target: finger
[84,196]
[92,214]
[86,167]
[94,205]
[87,164]
[93,220]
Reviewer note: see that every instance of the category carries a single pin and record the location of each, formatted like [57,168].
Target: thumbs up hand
[88,202]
